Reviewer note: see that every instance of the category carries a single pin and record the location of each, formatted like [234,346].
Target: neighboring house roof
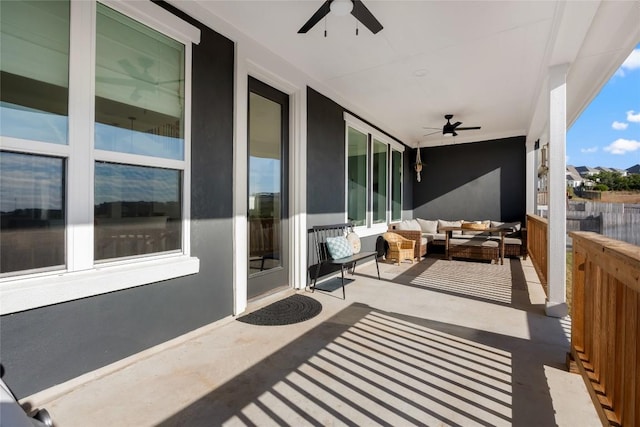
[622,172]
[573,175]
[604,169]
[634,169]
[587,170]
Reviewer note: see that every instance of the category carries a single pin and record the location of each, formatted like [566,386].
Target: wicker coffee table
[474,248]
[470,247]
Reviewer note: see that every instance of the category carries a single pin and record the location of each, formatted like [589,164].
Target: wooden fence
[620,221]
[606,324]
[537,227]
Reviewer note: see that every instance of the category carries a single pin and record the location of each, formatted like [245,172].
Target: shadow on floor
[481,281]
[365,366]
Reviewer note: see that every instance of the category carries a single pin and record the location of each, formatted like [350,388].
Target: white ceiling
[486,62]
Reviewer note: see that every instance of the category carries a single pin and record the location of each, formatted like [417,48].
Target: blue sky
[607,133]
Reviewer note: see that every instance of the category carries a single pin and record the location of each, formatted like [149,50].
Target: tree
[616,182]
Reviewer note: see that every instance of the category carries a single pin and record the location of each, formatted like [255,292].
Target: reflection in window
[139,88]
[137,210]
[379,182]
[396,185]
[33,212]
[34,70]
[357,177]
[265,183]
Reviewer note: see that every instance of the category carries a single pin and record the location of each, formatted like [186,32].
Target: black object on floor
[333,284]
[293,309]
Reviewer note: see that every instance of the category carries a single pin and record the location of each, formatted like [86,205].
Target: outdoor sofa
[431,234]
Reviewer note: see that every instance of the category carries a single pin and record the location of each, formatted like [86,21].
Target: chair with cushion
[400,249]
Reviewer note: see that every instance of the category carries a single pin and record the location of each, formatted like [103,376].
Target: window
[106,192]
[33,212]
[139,105]
[34,70]
[357,176]
[379,181]
[396,185]
[374,177]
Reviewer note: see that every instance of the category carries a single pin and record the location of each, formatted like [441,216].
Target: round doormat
[293,309]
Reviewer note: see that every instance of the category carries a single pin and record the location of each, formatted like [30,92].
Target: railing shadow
[480,281]
[365,366]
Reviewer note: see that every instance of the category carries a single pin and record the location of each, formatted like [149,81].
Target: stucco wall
[326,158]
[46,346]
[475,181]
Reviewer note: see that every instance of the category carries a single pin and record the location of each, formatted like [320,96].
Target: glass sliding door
[267,185]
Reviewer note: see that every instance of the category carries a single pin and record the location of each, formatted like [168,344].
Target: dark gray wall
[325,159]
[408,181]
[326,167]
[46,346]
[476,181]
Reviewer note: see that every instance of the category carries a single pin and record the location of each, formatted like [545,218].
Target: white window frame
[372,140]
[392,149]
[370,229]
[82,277]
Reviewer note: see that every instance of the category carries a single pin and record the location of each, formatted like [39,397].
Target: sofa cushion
[443,223]
[512,241]
[513,226]
[440,237]
[409,224]
[428,226]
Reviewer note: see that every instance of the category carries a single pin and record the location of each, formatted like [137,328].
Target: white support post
[556,305]
[531,177]
[240,184]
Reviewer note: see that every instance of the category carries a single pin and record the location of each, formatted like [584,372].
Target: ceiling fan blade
[454,133]
[425,127]
[469,128]
[456,124]
[363,15]
[432,133]
[320,13]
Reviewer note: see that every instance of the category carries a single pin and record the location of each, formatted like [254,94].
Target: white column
[298,190]
[81,117]
[531,177]
[556,305]
[240,149]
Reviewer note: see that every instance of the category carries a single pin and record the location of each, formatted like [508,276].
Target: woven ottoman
[481,249]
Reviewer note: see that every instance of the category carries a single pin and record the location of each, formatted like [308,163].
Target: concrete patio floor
[433,343]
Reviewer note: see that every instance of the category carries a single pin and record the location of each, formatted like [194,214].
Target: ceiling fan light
[341,7]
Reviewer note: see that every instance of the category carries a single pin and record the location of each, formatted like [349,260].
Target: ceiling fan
[450,129]
[343,7]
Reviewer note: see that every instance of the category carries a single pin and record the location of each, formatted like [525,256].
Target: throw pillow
[338,247]
[474,228]
[354,241]
[427,226]
[468,225]
[409,224]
